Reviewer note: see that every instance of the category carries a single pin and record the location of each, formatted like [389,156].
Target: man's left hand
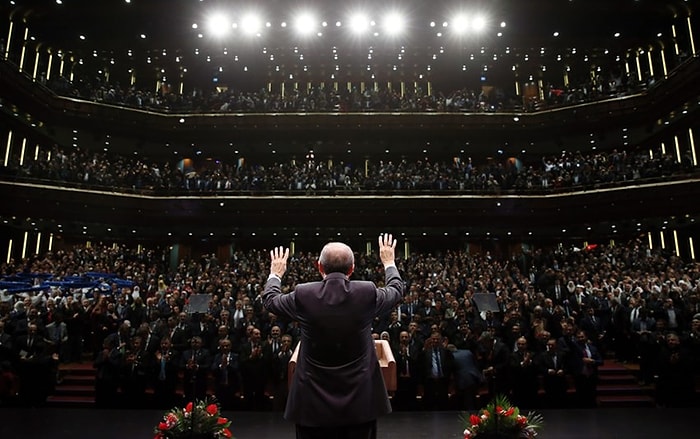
[279,256]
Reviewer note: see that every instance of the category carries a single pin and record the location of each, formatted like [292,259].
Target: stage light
[251,24]
[305,23]
[219,25]
[394,24]
[359,23]
[460,24]
[479,23]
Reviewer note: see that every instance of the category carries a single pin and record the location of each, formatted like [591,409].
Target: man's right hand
[387,248]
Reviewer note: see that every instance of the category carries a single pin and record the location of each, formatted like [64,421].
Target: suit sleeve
[282,305]
[391,293]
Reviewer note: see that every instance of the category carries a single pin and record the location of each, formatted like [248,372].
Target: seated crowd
[324,99]
[569,171]
[554,318]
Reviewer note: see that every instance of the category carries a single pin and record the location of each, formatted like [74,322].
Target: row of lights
[306,24]
[613,229]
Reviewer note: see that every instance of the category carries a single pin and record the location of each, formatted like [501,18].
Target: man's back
[337,380]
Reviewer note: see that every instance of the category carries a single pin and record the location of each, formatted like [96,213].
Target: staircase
[76,386]
[618,386]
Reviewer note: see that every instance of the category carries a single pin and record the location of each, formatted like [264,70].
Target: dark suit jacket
[337,380]
[467,372]
[446,363]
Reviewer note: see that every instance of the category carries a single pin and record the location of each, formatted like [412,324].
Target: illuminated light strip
[9,39]
[692,146]
[675,242]
[692,249]
[7,148]
[24,245]
[690,35]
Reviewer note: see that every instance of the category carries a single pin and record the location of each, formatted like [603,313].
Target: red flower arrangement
[500,419]
[201,420]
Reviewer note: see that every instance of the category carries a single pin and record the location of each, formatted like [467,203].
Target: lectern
[384,355]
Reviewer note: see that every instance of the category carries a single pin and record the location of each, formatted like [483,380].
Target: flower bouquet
[200,420]
[499,419]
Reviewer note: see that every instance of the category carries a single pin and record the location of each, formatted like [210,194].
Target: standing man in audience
[408,372]
[437,364]
[523,375]
[195,364]
[254,363]
[337,389]
[587,358]
[551,366]
[226,375]
[467,377]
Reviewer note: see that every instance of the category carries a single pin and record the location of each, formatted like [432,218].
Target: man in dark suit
[493,357]
[337,389]
[165,368]
[195,364]
[408,372]
[254,363]
[226,374]
[437,364]
[551,366]
[587,359]
[468,378]
[522,372]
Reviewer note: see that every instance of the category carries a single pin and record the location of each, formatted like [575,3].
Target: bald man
[337,389]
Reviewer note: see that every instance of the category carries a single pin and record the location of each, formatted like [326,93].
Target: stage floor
[618,423]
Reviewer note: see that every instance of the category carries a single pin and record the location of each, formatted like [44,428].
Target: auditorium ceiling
[174,36]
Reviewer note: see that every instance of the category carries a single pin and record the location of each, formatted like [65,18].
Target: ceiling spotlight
[218,25]
[305,24]
[359,23]
[251,24]
[394,24]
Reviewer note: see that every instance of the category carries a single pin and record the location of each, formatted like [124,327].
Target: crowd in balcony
[569,171]
[318,98]
[156,334]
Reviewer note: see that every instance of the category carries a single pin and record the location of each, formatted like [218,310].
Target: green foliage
[200,420]
[501,419]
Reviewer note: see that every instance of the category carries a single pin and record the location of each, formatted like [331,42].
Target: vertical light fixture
[675,243]
[691,139]
[38,243]
[21,152]
[9,252]
[7,148]
[9,39]
[36,64]
[24,49]
[663,62]
[24,245]
[692,248]
[690,36]
[48,67]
